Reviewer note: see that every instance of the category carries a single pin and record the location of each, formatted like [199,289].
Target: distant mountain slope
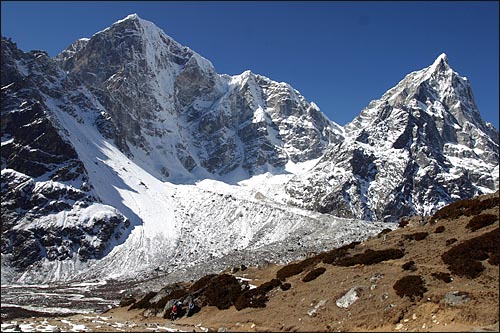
[420,146]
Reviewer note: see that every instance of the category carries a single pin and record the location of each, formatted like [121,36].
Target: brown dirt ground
[378,307]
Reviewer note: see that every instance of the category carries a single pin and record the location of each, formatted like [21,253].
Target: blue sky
[340,55]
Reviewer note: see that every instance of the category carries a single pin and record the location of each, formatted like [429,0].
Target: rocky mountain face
[100,143]
[420,146]
[164,99]
[48,207]
[166,108]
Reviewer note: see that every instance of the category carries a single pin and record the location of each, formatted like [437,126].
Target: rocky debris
[374,279]
[393,298]
[155,97]
[348,299]
[454,298]
[314,311]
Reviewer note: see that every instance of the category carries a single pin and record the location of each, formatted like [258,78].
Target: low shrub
[296,268]
[269,285]
[455,209]
[256,298]
[467,207]
[439,229]
[250,299]
[485,204]
[383,232]
[285,286]
[126,301]
[445,277]
[493,259]
[201,283]
[403,222]
[370,257]
[451,241]
[313,274]
[334,255]
[409,266]
[464,259]
[411,286]
[481,221]
[418,236]
[175,294]
[222,291]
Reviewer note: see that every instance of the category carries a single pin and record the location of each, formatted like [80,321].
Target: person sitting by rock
[190,309]
[174,313]
[180,310]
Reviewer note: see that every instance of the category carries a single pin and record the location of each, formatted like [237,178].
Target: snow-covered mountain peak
[441,62]
[133,16]
[418,147]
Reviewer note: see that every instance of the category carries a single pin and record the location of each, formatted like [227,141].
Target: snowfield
[175,227]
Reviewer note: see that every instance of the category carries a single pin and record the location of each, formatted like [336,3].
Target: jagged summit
[133,16]
[441,59]
[421,145]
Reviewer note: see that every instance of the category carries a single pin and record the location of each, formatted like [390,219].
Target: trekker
[190,309]
[174,312]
